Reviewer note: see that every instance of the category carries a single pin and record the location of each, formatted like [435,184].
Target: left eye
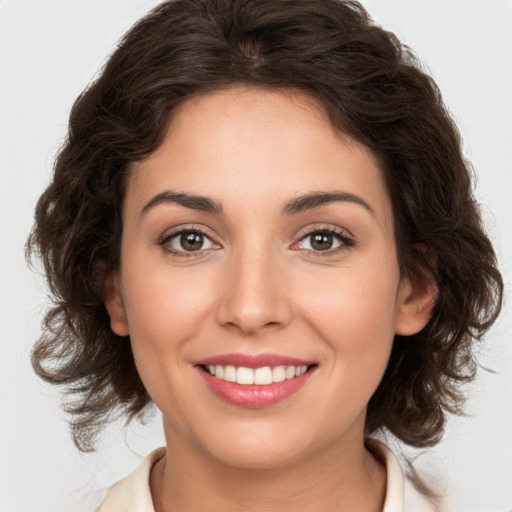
[321,241]
[188,241]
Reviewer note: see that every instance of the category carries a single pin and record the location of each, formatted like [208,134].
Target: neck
[337,478]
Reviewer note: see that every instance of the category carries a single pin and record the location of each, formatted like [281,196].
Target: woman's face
[258,244]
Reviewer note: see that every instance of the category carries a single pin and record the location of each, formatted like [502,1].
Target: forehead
[253,144]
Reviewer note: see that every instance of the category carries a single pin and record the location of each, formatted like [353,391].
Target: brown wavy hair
[373,89]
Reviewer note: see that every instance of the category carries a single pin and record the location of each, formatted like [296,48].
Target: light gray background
[49,50]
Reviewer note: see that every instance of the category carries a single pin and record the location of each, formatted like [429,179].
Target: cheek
[162,303]
[165,310]
[353,311]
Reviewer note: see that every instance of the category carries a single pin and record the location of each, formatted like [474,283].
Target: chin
[256,459]
[256,448]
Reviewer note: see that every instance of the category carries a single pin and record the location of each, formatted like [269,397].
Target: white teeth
[230,373]
[263,376]
[259,376]
[278,374]
[290,372]
[245,375]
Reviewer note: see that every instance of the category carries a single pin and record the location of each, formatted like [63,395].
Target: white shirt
[133,494]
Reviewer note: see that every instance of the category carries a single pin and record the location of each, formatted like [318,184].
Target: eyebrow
[297,205]
[317,199]
[194,202]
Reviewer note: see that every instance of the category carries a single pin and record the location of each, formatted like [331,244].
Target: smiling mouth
[262,376]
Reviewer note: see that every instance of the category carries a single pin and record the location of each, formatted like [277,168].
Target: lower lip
[254,396]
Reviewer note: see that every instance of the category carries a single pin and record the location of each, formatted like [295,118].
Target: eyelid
[168,235]
[345,238]
[331,228]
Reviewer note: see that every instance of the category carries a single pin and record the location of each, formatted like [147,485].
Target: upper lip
[253,361]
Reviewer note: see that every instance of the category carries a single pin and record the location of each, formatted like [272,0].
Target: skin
[259,286]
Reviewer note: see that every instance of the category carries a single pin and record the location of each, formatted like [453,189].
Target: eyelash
[346,242]
[164,242]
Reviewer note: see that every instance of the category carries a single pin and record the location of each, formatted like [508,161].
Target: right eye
[187,241]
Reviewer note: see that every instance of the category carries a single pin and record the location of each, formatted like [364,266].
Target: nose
[254,298]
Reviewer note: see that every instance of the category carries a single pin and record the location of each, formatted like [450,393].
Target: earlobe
[115,305]
[415,303]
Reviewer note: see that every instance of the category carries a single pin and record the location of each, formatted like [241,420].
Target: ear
[416,299]
[114,304]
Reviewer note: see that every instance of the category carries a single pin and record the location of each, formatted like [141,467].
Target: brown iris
[321,241]
[191,241]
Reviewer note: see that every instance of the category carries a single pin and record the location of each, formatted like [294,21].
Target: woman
[263,223]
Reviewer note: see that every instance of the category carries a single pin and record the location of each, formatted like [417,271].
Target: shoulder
[414,501]
[133,492]
[401,495]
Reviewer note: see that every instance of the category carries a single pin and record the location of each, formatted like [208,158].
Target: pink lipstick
[255,381]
